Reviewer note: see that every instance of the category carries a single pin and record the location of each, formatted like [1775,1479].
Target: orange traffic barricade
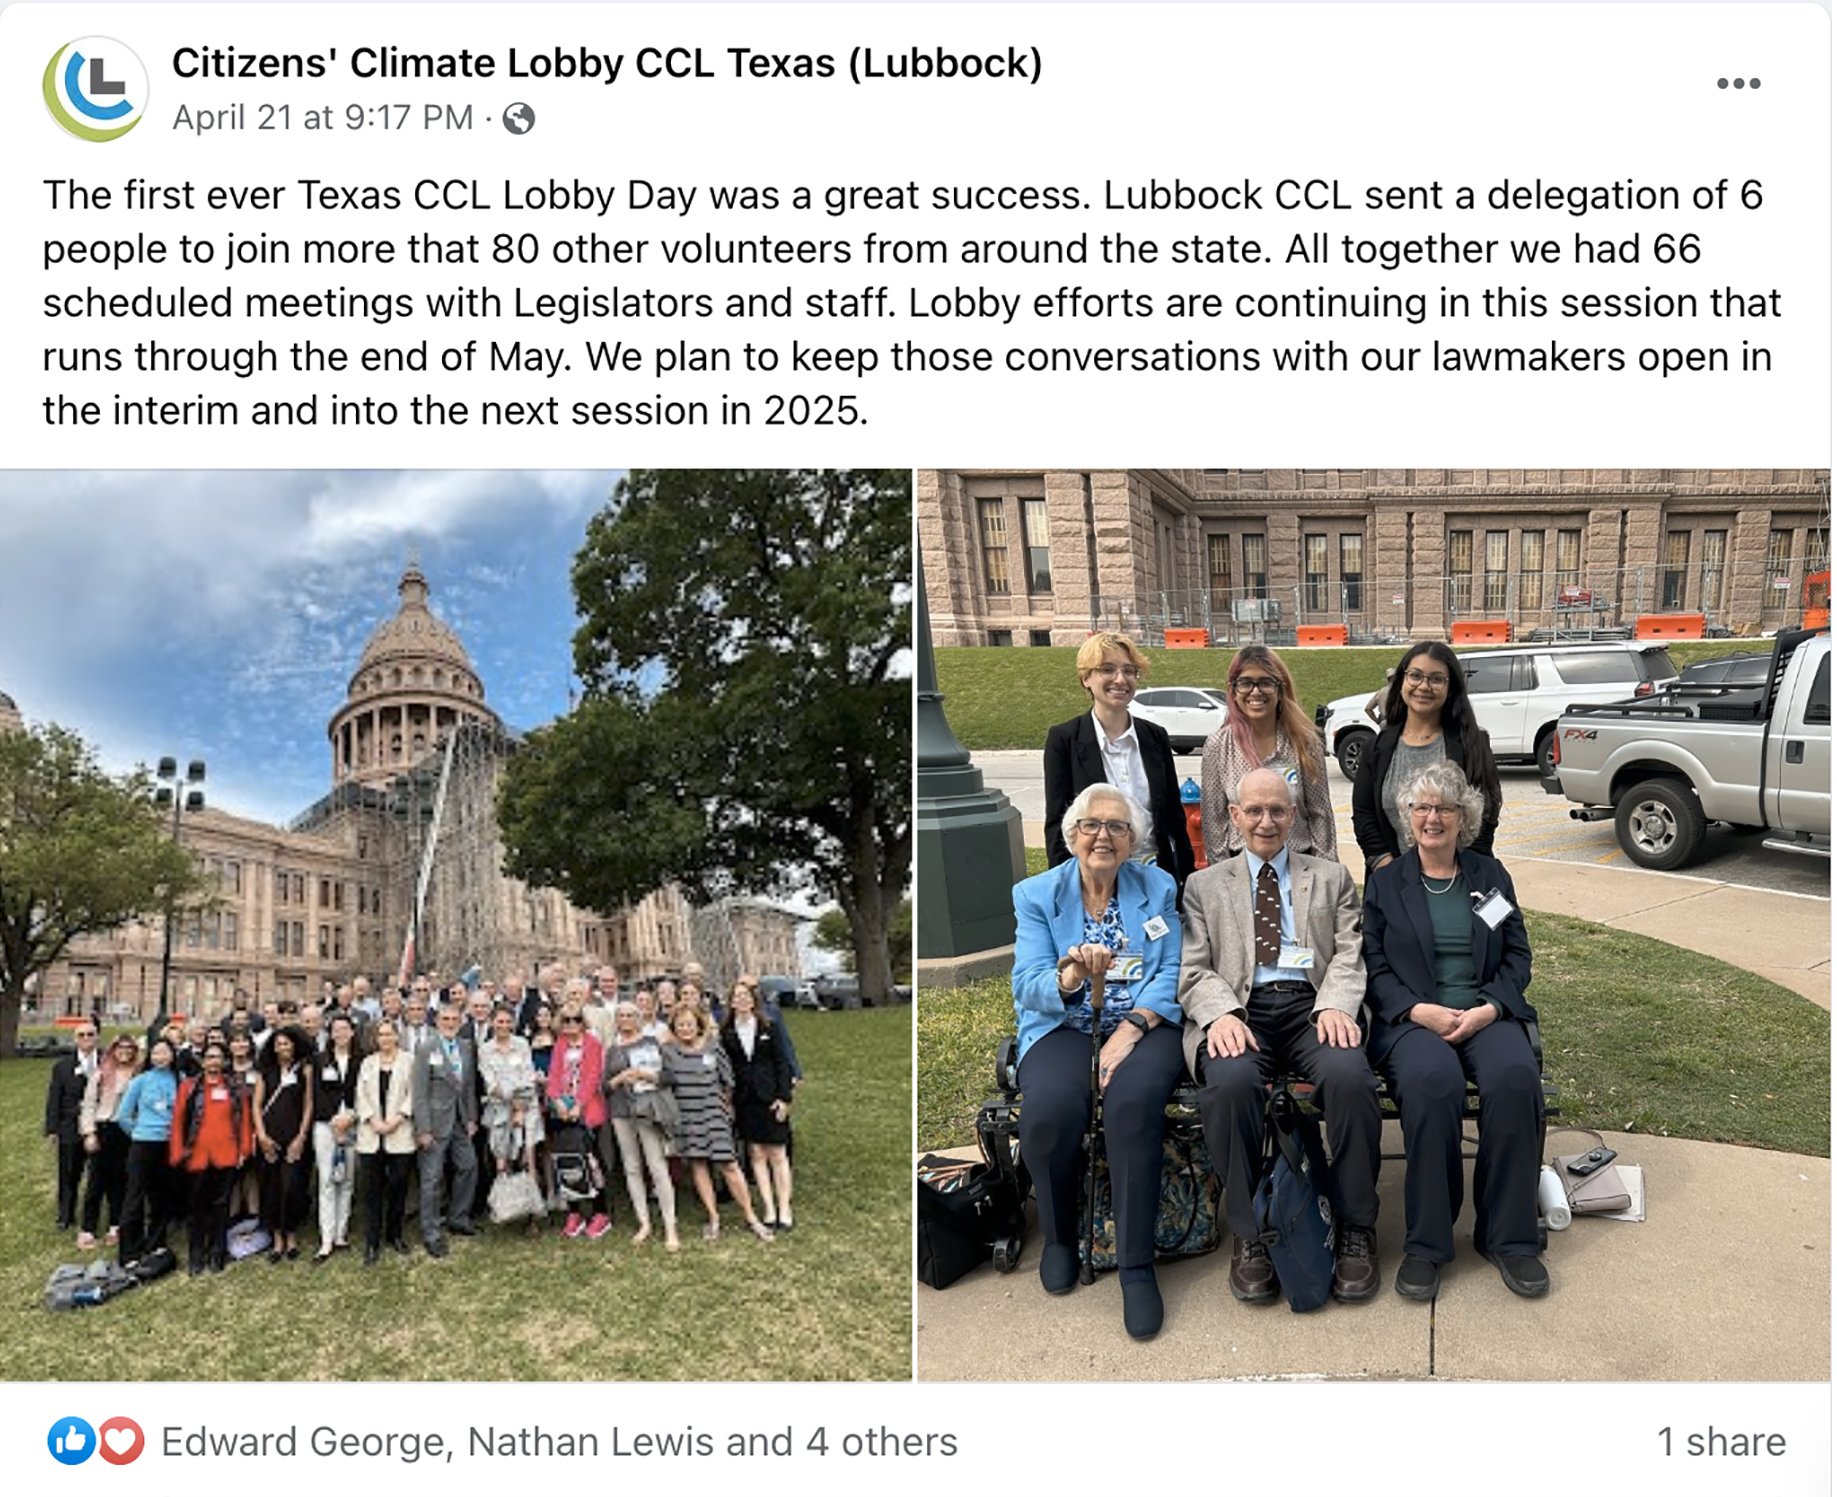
[1481,632]
[1669,626]
[1185,639]
[1312,636]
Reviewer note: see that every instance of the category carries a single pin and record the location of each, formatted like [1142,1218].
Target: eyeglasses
[1250,686]
[86,1034]
[1255,814]
[1421,678]
[1427,809]
[1091,826]
[570,1023]
[1127,672]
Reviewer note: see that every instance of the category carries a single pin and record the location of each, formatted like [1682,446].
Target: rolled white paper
[1552,1200]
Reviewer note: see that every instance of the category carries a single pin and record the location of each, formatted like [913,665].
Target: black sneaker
[1418,1278]
[1523,1275]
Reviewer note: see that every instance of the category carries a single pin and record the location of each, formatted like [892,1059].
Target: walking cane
[1085,1272]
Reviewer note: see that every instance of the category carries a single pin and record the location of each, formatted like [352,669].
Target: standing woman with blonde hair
[1268,729]
[1107,746]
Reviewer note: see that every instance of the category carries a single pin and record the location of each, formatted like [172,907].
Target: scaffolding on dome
[470,913]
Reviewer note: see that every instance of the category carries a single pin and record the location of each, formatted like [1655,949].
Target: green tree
[831,933]
[746,721]
[81,851]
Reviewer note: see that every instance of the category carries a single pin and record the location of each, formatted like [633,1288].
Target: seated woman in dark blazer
[1427,718]
[1447,963]
[1101,912]
[1108,746]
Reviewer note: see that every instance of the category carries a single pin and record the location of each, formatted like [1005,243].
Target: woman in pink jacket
[577,1103]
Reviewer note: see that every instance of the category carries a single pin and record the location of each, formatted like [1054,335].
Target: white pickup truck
[1666,766]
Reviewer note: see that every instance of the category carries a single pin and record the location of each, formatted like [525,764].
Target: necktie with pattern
[1268,917]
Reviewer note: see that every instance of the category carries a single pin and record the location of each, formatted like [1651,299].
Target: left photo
[456,925]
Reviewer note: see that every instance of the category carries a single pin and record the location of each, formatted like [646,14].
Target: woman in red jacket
[577,1103]
[213,1134]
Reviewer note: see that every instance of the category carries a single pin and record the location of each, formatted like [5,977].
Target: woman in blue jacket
[1099,912]
[145,1115]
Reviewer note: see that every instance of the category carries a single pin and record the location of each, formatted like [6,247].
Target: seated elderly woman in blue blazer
[1099,912]
[1447,963]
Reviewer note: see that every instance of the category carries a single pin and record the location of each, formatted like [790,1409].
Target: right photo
[1373,924]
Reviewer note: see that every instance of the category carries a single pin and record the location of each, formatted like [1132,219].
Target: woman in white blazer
[385,1140]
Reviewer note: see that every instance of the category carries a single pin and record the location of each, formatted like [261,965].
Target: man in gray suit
[1271,974]
[446,1117]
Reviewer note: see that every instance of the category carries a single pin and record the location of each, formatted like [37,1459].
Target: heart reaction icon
[122,1440]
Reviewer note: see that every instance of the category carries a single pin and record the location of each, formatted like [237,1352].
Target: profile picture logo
[96,88]
[72,1440]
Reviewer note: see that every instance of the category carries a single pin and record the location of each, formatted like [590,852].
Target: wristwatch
[1140,1022]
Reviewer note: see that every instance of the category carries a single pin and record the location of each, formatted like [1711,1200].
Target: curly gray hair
[1445,782]
[1081,808]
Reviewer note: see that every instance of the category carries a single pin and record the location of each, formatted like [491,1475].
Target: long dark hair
[1457,715]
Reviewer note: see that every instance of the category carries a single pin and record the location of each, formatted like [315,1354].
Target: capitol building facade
[417,754]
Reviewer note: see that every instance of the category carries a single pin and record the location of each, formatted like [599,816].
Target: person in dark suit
[446,1117]
[1427,718]
[762,1097]
[70,1076]
[1108,746]
[1447,964]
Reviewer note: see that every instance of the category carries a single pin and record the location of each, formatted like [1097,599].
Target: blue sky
[218,615]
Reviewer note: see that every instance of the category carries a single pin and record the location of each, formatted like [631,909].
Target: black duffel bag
[964,1209]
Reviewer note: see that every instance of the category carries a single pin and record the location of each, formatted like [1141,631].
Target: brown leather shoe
[1355,1264]
[1253,1276]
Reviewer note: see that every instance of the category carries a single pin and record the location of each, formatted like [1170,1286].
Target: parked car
[1518,693]
[1730,670]
[1664,768]
[1189,714]
[839,990]
[807,998]
[779,990]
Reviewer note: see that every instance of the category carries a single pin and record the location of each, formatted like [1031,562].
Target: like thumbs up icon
[72,1441]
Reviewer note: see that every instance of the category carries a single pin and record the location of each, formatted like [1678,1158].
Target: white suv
[1517,695]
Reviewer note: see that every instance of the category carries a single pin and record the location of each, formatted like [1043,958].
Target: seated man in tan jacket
[1271,975]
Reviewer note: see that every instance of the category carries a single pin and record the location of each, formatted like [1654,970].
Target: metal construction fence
[1568,605]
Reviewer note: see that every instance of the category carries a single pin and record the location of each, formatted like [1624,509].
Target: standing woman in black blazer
[1427,718]
[1108,746]
[762,1098]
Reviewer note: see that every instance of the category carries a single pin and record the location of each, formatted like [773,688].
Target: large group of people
[321,1114]
[1266,961]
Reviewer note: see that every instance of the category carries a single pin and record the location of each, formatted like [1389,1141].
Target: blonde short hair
[1092,651]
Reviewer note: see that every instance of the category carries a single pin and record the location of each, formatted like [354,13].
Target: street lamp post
[182,795]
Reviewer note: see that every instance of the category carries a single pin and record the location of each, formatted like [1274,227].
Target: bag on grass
[1293,1210]
[247,1237]
[73,1287]
[154,1265]
[578,1176]
[515,1195]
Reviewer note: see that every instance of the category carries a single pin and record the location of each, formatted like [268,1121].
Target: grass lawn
[830,1301]
[1007,699]
[1638,1036]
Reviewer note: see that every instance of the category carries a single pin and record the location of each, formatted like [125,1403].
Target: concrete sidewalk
[1728,1278]
[1785,938]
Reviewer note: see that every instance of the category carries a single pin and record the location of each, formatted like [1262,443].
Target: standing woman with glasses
[1267,729]
[1107,746]
[1427,718]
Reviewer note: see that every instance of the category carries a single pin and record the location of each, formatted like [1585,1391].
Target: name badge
[1301,957]
[330,1073]
[437,1062]
[1494,909]
[220,1094]
[1155,928]
[160,1106]
[708,1061]
[1125,969]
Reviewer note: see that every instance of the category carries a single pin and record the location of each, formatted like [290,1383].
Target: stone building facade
[332,894]
[1043,556]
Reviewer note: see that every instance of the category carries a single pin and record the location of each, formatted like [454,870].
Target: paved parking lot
[1534,825]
